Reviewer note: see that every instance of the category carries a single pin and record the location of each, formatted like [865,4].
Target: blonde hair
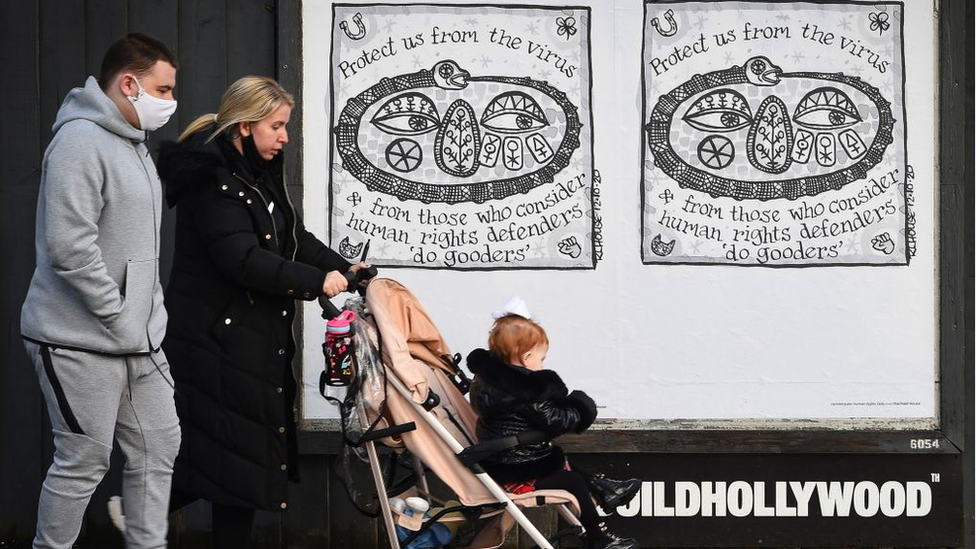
[249,99]
[512,336]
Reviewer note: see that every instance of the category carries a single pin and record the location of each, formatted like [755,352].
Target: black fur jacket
[512,399]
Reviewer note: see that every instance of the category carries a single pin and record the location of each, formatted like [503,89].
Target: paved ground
[27,545]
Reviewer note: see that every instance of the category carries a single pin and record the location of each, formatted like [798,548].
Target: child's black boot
[602,538]
[611,493]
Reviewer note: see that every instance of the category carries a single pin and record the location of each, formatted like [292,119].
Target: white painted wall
[654,342]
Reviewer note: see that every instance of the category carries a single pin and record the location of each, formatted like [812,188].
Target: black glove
[586,408]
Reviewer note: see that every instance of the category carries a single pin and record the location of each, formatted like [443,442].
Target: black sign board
[789,500]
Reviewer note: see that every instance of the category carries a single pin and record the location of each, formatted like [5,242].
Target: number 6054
[924,443]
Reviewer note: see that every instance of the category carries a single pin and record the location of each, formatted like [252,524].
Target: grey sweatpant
[92,399]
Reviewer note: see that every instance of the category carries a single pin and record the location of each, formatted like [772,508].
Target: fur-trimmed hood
[524,384]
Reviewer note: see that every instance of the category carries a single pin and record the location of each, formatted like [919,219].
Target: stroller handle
[330,311]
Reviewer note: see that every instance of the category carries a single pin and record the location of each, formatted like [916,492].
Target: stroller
[407,392]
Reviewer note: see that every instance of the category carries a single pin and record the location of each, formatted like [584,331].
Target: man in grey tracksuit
[93,319]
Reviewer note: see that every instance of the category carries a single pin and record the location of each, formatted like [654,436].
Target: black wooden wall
[48,47]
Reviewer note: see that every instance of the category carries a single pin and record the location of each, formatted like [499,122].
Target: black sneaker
[611,494]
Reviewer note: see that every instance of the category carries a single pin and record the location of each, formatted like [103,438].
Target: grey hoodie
[96,285]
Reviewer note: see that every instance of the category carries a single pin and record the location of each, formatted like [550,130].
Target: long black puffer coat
[512,399]
[237,270]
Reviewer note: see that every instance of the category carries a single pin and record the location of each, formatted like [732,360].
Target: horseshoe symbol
[360,27]
[672,26]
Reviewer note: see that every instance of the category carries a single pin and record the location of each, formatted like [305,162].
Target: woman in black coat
[242,257]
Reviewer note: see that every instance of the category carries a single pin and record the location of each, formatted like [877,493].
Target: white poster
[776,134]
[836,323]
[462,136]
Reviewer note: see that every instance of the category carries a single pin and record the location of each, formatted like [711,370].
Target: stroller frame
[503,497]
[462,461]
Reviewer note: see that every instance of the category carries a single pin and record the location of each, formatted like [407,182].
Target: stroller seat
[410,397]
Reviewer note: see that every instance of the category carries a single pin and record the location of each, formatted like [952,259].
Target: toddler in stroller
[406,393]
[513,393]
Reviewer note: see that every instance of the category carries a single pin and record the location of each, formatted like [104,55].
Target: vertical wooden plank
[21,144]
[105,22]
[955,202]
[191,526]
[61,59]
[203,54]
[267,529]
[289,74]
[250,39]
[956,239]
[546,519]
[21,406]
[306,524]
[157,18]
[347,526]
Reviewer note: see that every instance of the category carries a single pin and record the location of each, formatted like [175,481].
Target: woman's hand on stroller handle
[334,283]
[356,278]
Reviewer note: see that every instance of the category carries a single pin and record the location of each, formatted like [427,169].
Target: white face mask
[152,111]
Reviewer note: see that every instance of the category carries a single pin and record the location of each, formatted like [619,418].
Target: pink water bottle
[339,350]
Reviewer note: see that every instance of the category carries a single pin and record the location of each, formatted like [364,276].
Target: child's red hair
[512,336]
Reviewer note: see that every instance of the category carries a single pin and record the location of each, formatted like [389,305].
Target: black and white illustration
[774,134]
[461,136]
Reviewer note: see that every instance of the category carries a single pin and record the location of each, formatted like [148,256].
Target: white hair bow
[514,306]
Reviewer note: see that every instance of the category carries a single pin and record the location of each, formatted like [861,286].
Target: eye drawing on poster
[759,150]
[776,139]
[465,134]
[512,132]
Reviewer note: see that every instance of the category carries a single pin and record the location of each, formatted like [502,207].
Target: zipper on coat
[294,253]
[155,231]
[294,224]
[274,226]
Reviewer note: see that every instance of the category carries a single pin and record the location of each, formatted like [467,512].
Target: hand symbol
[570,247]
[883,243]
